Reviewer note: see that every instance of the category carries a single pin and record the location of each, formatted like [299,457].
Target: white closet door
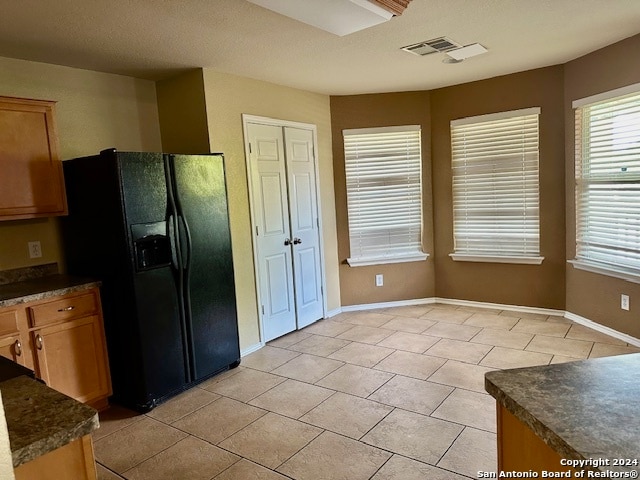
[303,212]
[273,235]
[287,238]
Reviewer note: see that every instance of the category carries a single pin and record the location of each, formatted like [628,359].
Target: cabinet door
[13,347]
[71,358]
[14,343]
[31,170]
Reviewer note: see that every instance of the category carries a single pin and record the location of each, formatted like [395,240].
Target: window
[608,183]
[384,194]
[495,187]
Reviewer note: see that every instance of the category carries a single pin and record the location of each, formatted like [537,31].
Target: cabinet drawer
[8,322]
[63,309]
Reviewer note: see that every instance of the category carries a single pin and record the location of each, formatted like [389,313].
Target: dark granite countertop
[40,419]
[42,288]
[583,410]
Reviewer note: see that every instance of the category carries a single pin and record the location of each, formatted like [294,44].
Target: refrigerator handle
[186,234]
[172,241]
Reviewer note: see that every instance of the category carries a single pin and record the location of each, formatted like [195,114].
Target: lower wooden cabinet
[71,358]
[62,340]
[13,335]
[521,450]
[12,348]
[73,461]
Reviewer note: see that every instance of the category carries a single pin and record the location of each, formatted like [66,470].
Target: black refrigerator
[154,228]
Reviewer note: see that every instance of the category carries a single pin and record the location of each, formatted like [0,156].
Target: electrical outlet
[624,302]
[35,250]
[379,280]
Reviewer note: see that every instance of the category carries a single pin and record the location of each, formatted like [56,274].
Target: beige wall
[227,98]
[183,113]
[94,111]
[402,281]
[597,297]
[554,284]
[524,285]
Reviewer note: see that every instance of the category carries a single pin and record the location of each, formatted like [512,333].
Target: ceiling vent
[440,44]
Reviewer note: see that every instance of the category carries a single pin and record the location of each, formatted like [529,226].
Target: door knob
[287,242]
[296,241]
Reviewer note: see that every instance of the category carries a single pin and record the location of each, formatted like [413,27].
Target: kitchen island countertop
[40,419]
[584,410]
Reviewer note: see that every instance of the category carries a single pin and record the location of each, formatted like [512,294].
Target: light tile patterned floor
[391,394]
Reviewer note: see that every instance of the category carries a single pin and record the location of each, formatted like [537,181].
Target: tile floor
[391,394]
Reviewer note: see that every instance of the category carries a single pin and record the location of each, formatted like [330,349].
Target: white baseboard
[602,328]
[500,306]
[333,313]
[251,349]
[400,303]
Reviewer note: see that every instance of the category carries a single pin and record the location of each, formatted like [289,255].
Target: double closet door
[282,175]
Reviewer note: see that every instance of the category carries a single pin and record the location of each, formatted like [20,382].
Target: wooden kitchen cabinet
[521,450]
[12,347]
[71,358]
[63,341]
[31,178]
[73,461]
[14,343]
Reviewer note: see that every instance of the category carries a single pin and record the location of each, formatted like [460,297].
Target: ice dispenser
[151,245]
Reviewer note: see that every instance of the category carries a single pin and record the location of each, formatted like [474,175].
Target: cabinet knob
[39,342]
[17,346]
[67,309]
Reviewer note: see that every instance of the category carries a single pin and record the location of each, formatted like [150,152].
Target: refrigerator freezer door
[201,198]
[158,315]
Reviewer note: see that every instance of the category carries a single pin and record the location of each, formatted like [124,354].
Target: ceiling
[153,39]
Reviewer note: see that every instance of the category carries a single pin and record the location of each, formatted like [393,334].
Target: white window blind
[384,194]
[608,182]
[495,187]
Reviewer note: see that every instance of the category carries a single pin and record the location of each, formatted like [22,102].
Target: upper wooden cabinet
[31,181]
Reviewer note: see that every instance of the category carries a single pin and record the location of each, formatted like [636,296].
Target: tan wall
[227,98]
[94,111]
[183,113]
[597,297]
[525,285]
[402,281]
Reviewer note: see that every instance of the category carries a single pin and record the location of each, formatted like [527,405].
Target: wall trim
[333,313]
[500,306]
[251,349]
[602,328]
[399,303]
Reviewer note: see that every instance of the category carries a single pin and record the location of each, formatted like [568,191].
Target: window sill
[463,257]
[628,274]
[361,262]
